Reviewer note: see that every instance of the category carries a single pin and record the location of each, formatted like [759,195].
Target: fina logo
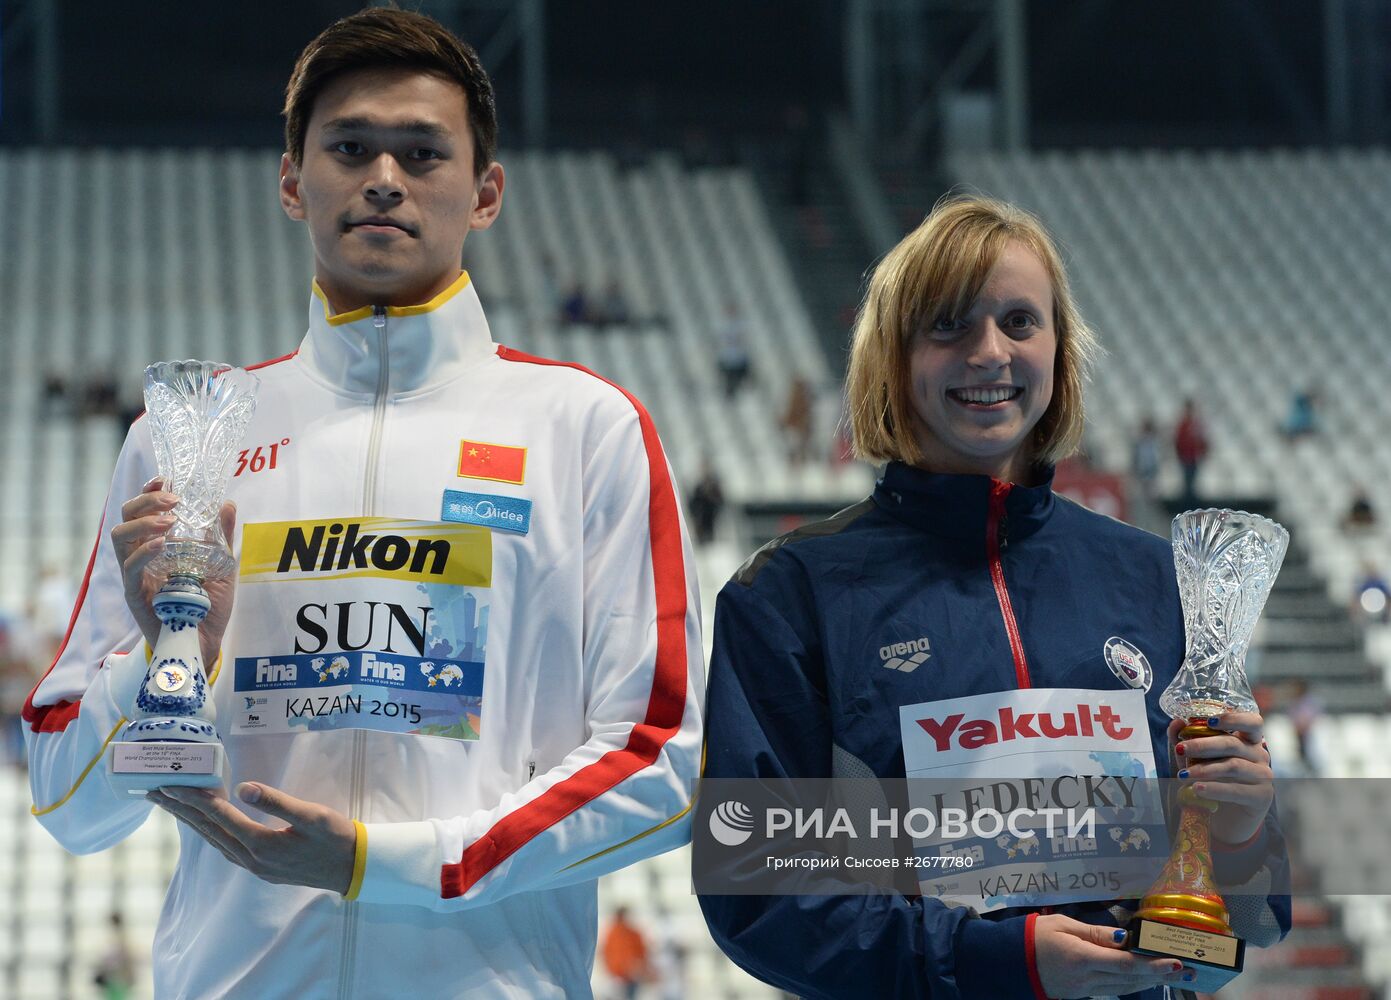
[731,823]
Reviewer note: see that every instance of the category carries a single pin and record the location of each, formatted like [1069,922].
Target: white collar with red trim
[425,345]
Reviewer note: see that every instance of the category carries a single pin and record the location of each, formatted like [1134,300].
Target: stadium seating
[153,255]
[1236,278]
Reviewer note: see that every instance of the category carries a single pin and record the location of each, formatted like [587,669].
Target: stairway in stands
[910,189]
[1316,962]
[816,225]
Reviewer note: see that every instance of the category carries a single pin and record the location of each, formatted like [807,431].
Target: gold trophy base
[1216,958]
[1184,917]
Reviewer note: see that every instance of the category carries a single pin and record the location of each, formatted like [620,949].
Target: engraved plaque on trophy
[1226,562]
[198,412]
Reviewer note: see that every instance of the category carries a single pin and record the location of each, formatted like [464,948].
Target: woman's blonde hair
[936,273]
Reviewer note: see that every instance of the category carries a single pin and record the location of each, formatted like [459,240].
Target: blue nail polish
[1183,774]
[1188,977]
[1119,935]
[1214,720]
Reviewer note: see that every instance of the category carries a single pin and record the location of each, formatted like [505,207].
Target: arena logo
[906,656]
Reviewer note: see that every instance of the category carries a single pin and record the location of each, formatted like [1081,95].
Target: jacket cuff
[1235,864]
[994,958]
[359,861]
[401,863]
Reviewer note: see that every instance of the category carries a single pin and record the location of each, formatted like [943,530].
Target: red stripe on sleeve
[55,718]
[665,707]
[1031,957]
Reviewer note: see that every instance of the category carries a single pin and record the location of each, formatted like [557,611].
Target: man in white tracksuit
[460,679]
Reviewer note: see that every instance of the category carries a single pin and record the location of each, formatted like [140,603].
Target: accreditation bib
[1050,795]
[362,623]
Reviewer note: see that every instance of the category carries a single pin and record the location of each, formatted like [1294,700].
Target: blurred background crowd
[693,203]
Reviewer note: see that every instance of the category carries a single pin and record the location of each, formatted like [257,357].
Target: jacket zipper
[359,749]
[374,442]
[995,540]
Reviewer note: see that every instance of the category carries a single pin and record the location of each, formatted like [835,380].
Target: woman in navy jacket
[962,574]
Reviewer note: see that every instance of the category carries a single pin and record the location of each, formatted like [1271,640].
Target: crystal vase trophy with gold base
[1226,562]
[198,412]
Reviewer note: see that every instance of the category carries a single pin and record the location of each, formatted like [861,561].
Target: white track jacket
[466,617]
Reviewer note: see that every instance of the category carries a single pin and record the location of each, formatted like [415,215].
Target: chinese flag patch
[499,462]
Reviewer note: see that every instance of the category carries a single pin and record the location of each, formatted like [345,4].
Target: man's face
[387,186]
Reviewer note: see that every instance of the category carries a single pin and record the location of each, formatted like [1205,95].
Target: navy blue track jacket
[818,641]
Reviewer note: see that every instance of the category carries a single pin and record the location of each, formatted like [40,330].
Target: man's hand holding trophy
[173,545]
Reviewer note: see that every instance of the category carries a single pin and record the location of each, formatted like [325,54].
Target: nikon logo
[336,547]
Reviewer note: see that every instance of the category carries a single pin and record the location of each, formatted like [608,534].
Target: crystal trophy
[1226,562]
[198,412]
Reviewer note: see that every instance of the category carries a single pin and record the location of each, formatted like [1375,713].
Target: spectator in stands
[625,954]
[612,308]
[1304,710]
[707,501]
[1144,460]
[100,395]
[1370,595]
[132,405]
[550,285]
[1361,515]
[669,967]
[574,307]
[1303,418]
[18,671]
[53,399]
[116,969]
[966,376]
[1190,445]
[796,421]
[50,607]
[733,351]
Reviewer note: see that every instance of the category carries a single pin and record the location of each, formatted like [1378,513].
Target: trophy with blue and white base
[198,412]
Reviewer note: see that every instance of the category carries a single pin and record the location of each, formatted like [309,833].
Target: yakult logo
[1085,720]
